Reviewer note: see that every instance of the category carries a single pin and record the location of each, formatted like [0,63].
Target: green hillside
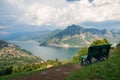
[11,54]
[106,70]
[15,59]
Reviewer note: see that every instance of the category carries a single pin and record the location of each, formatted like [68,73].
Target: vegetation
[100,42]
[106,70]
[6,71]
[13,59]
[99,71]
[52,62]
[73,41]
[8,68]
[76,36]
[14,75]
[81,52]
[84,50]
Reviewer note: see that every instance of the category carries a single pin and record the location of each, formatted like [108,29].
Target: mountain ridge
[77,36]
[76,29]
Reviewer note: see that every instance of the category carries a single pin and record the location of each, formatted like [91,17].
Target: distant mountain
[39,36]
[26,35]
[76,36]
[72,36]
[76,30]
[11,54]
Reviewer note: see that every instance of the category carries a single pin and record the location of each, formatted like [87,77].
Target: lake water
[48,52]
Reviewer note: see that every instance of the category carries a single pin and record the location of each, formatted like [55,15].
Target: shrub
[81,52]
[6,71]
[100,42]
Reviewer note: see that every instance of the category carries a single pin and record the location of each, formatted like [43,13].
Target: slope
[76,36]
[107,70]
[11,54]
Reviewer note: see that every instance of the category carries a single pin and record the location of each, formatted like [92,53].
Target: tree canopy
[100,42]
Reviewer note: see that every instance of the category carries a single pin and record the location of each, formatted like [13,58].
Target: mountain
[39,36]
[72,36]
[23,36]
[11,54]
[76,30]
[76,36]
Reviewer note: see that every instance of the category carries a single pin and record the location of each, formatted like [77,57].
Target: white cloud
[2,27]
[61,13]
[19,4]
[4,33]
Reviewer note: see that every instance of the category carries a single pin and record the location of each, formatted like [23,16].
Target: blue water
[48,52]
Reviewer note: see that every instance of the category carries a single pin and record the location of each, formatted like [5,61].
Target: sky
[33,15]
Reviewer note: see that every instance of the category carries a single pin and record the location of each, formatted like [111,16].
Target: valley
[72,36]
[76,36]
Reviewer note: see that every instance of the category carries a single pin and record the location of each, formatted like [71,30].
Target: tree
[57,62]
[84,50]
[64,61]
[100,42]
[105,41]
[6,71]
[26,67]
[81,52]
[16,69]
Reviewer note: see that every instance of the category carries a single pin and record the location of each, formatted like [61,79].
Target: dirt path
[57,73]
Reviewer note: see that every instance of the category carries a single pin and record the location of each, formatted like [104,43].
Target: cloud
[61,13]
[3,27]
[4,32]
[104,24]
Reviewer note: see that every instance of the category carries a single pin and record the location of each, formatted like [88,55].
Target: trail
[55,73]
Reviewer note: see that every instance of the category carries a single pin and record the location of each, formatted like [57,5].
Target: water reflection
[48,52]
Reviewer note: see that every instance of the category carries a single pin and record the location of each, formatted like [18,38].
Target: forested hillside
[12,56]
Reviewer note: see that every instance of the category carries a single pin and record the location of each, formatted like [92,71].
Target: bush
[53,62]
[16,69]
[100,42]
[81,52]
[6,71]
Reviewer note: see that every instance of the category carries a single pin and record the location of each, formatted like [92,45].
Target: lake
[47,52]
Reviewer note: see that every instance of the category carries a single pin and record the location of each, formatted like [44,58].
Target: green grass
[15,75]
[106,70]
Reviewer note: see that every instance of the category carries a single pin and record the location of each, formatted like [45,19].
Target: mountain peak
[74,26]
[76,30]
[77,36]
[70,31]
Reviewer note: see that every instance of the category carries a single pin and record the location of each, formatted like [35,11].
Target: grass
[15,75]
[19,74]
[106,70]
